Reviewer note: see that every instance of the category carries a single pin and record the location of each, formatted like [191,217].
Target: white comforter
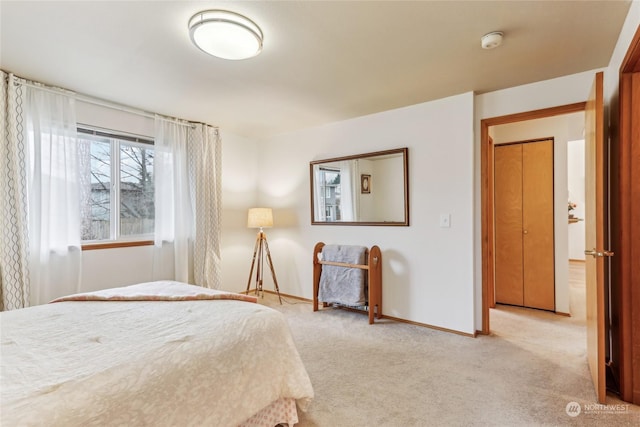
[179,363]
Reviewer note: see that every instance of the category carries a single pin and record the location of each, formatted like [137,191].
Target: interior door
[537,224]
[595,235]
[524,243]
[508,224]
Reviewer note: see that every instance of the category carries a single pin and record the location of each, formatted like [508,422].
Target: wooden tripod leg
[273,272]
[260,267]
[255,251]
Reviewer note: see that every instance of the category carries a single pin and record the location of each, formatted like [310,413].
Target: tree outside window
[117,187]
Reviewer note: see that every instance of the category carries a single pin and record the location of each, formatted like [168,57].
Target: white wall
[562,129]
[112,119]
[427,270]
[240,175]
[110,268]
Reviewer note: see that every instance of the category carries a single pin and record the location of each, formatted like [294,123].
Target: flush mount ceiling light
[491,40]
[225,34]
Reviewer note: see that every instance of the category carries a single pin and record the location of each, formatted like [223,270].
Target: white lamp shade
[260,217]
[225,34]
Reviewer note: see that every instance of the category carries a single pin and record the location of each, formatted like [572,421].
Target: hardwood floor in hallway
[577,296]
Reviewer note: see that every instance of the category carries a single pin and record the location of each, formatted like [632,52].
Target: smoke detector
[491,40]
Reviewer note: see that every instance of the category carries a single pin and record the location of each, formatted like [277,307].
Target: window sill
[113,245]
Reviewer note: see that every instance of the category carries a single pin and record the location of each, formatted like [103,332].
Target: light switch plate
[445,220]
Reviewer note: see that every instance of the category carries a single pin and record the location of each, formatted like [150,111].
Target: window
[329,180]
[117,191]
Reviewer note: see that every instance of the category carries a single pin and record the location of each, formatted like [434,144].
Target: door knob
[596,254]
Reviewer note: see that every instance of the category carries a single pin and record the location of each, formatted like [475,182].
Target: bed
[157,354]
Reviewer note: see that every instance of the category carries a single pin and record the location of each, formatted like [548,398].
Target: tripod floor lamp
[260,218]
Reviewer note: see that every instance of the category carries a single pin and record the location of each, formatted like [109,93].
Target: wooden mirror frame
[405,165]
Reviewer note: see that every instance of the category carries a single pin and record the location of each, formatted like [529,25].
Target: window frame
[116,240]
[334,209]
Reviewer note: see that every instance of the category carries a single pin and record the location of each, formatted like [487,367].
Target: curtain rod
[104,103]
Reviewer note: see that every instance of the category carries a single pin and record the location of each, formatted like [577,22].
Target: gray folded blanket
[343,285]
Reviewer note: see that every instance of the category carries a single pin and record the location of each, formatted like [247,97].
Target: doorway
[559,335]
[490,129]
[561,124]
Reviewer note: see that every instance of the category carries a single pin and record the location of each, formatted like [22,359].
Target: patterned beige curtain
[205,172]
[14,244]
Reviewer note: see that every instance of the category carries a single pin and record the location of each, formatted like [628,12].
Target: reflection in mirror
[364,189]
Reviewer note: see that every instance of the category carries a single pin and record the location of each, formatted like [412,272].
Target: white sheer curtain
[174,212]
[53,195]
[349,185]
[187,171]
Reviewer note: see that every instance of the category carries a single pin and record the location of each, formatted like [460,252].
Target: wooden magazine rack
[373,259]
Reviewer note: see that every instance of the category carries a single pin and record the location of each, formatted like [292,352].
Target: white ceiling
[323,61]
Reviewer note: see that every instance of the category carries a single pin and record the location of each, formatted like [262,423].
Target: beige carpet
[395,374]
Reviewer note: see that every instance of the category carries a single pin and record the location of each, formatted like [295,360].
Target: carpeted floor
[395,374]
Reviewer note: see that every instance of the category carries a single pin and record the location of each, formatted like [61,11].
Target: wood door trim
[621,264]
[535,114]
[625,236]
[486,197]
[631,61]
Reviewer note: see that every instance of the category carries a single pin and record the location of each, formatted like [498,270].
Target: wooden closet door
[537,223]
[508,224]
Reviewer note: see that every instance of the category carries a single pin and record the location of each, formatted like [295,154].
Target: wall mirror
[363,189]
